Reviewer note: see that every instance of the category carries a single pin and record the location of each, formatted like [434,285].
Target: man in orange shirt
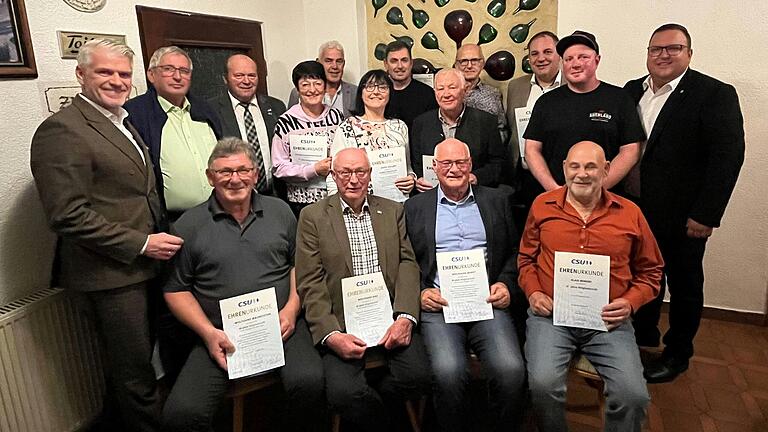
[584,218]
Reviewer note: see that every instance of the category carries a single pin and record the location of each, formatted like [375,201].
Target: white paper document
[464,284]
[367,308]
[522,117]
[429,170]
[582,283]
[388,165]
[252,323]
[308,149]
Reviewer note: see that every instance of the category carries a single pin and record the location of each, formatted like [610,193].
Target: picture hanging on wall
[436,28]
[17,60]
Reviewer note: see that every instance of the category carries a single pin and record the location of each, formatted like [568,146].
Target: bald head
[451,147]
[588,149]
[352,173]
[453,164]
[242,77]
[585,170]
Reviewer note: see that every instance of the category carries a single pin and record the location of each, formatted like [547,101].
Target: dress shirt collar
[347,209]
[672,85]
[117,119]
[442,199]
[236,102]
[555,84]
[607,199]
[169,107]
[458,119]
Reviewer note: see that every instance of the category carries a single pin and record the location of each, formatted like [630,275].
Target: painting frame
[17,58]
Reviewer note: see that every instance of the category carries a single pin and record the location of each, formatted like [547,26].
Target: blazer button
[131,172]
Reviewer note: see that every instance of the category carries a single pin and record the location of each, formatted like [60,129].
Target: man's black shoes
[664,369]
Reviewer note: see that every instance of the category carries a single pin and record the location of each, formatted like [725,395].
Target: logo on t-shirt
[600,116]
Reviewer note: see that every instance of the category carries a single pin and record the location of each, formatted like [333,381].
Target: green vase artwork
[526,65]
[404,39]
[419,17]
[429,41]
[378,4]
[496,8]
[487,34]
[519,33]
[441,3]
[395,17]
[380,52]
[526,5]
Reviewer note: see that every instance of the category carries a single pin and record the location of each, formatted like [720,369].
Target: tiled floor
[725,389]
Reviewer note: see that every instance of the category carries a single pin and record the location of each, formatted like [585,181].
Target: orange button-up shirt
[616,228]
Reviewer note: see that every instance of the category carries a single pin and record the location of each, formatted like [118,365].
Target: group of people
[204,200]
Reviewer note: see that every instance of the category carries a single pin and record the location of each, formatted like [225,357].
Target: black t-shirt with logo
[561,118]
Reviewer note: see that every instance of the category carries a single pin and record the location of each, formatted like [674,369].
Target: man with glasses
[454,119]
[351,234]
[249,116]
[180,131]
[454,217]
[339,94]
[238,242]
[470,61]
[586,109]
[683,183]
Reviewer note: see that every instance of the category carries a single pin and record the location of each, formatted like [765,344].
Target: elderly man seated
[592,225]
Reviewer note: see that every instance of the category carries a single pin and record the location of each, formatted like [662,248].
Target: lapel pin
[378,211]
[682,90]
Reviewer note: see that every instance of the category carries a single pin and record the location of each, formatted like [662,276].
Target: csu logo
[383,155]
[459,258]
[245,303]
[364,282]
[578,261]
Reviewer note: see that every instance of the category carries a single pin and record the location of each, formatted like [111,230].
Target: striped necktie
[253,138]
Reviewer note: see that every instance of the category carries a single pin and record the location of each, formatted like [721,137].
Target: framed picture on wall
[17,60]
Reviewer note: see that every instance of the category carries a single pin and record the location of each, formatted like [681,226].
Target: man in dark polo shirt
[237,242]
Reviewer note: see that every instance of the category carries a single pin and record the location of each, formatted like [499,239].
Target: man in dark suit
[457,217]
[453,119]
[96,184]
[249,116]
[683,182]
[355,234]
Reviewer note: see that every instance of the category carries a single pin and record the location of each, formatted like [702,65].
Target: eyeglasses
[382,88]
[672,50]
[169,71]
[446,164]
[242,76]
[474,61]
[361,173]
[227,173]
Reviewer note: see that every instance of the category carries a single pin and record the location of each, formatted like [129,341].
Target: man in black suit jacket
[687,173]
[453,119]
[242,81]
[456,217]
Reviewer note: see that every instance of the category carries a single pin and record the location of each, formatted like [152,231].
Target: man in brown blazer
[353,234]
[95,181]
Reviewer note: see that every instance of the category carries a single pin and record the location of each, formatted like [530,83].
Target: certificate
[367,307]
[429,170]
[252,323]
[581,290]
[308,149]
[522,117]
[464,284]
[388,165]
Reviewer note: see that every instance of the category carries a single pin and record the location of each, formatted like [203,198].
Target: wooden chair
[240,388]
[584,369]
[414,409]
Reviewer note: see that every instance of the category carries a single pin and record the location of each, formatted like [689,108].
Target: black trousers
[684,278]
[122,322]
[201,386]
[364,400]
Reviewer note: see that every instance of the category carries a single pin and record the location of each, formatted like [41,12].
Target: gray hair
[454,71]
[334,44]
[154,61]
[84,55]
[232,146]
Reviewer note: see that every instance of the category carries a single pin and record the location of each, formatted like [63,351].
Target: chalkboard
[209,67]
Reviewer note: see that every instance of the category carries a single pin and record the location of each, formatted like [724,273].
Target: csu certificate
[581,287]
[367,307]
[429,170]
[252,323]
[388,165]
[308,149]
[522,117]
[464,284]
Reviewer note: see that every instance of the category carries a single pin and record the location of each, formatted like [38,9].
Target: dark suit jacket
[98,196]
[323,259]
[501,237]
[693,154]
[478,129]
[348,95]
[148,117]
[271,108]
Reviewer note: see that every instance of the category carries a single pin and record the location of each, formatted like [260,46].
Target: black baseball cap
[577,38]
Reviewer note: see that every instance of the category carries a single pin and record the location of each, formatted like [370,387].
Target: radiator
[50,365]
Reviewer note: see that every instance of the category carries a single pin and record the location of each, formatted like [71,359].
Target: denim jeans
[615,356]
[495,344]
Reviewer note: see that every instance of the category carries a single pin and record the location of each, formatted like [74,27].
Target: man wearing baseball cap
[586,109]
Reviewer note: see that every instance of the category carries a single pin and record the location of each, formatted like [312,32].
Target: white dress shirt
[537,90]
[261,130]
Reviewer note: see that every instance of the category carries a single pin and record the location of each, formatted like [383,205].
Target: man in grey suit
[249,116]
[339,94]
[95,180]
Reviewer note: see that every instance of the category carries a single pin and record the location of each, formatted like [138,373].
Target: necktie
[253,138]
